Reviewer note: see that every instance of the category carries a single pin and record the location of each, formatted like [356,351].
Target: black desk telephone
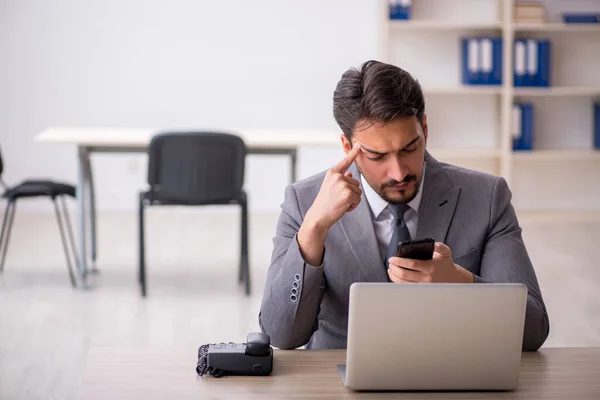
[255,357]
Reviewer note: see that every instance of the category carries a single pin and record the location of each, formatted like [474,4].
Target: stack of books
[529,13]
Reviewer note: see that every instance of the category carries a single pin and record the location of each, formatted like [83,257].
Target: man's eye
[411,148]
[377,158]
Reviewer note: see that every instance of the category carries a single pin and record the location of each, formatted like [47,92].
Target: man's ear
[346,145]
[425,127]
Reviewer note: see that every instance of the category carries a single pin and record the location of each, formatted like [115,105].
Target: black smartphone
[421,249]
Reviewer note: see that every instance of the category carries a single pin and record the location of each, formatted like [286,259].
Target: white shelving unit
[471,125]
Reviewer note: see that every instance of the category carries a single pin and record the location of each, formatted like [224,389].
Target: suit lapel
[438,202]
[357,226]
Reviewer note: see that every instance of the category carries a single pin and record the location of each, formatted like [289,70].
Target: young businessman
[343,225]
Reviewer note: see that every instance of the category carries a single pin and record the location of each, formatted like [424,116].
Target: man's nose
[397,170]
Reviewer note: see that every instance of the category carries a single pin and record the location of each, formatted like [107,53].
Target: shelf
[553,91]
[461,90]
[517,27]
[558,91]
[557,155]
[464,153]
[558,215]
[555,27]
[441,25]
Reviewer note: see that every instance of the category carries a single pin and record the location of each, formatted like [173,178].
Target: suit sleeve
[505,260]
[293,289]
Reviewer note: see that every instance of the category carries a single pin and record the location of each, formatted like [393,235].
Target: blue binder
[522,126]
[597,126]
[532,62]
[544,55]
[581,18]
[481,60]
[471,65]
[400,9]
[519,62]
[486,59]
[497,61]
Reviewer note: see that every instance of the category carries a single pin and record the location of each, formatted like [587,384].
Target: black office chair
[194,169]
[38,188]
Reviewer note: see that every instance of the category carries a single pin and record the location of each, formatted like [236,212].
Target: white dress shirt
[383,218]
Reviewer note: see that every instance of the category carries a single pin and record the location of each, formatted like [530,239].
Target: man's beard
[408,179]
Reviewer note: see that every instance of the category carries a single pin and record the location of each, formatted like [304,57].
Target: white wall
[180,64]
[210,64]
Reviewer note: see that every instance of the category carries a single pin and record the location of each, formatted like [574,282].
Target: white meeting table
[131,140]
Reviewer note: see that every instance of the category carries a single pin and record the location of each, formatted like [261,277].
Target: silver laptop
[434,336]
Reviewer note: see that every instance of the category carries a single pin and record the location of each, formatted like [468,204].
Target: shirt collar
[378,205]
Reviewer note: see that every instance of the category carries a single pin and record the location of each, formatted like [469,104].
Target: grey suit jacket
[469,211]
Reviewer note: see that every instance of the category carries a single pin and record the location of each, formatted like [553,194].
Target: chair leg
[64,243]
[241,268]
[244,255]
[142,255]
[7,221]
[69,229]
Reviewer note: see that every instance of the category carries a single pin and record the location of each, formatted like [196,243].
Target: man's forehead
[378,132]
[366,124]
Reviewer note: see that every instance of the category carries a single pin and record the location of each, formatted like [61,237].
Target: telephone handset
[255,357]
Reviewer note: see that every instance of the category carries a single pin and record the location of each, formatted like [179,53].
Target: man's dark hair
[377,93]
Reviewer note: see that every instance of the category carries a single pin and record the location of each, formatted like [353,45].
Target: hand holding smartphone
[420,249]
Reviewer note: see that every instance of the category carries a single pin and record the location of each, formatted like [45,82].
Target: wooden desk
[565,374]
[133,140]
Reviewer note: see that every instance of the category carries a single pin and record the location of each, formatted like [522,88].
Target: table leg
[83,159]
[293,160]
[92,201]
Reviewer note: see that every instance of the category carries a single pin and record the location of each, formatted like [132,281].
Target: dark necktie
[400,232]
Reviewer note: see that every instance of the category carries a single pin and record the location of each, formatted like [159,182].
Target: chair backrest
[196,167]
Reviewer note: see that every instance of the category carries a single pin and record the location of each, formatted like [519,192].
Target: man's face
[392,156]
